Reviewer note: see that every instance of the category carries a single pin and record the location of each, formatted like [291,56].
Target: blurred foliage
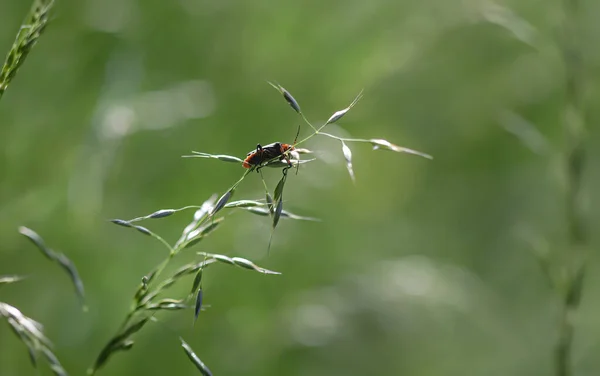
[421,268]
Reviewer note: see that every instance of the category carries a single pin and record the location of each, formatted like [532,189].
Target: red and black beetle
[266,153]
[270,152]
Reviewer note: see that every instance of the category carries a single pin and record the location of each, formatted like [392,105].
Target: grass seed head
[121,222]
[222,201]
[386,145]
[143,230]
[339,114]
[288,97]
[348,156]
[162,213]
[277,214]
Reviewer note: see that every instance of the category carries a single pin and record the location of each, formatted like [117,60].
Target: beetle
[262,154]
[266,153]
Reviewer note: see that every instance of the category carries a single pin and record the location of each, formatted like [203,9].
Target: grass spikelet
[221,157]
[287,96]
[200,233]
[197,281]
[55,365]
[195,359]
[244,204]
[199,215]
[6,279]
[30,332]
[277,213]
[121,222]
[37,241]
[348,156]
[26,38]
[168,305]
[143,230]
[237,261]
[222,201]
[386,145]
[118,343]
[284,214]
[269,203]
[162,213]
[339,114]
[61,259]
[244,263]
[198,304]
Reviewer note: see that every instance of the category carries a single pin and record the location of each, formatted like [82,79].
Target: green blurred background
[421,268]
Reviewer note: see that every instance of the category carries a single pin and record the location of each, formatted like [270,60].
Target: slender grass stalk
[204,222]
[574,127]
[28,34]
[146,301]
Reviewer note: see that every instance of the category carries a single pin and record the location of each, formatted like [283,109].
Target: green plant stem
[574,126]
